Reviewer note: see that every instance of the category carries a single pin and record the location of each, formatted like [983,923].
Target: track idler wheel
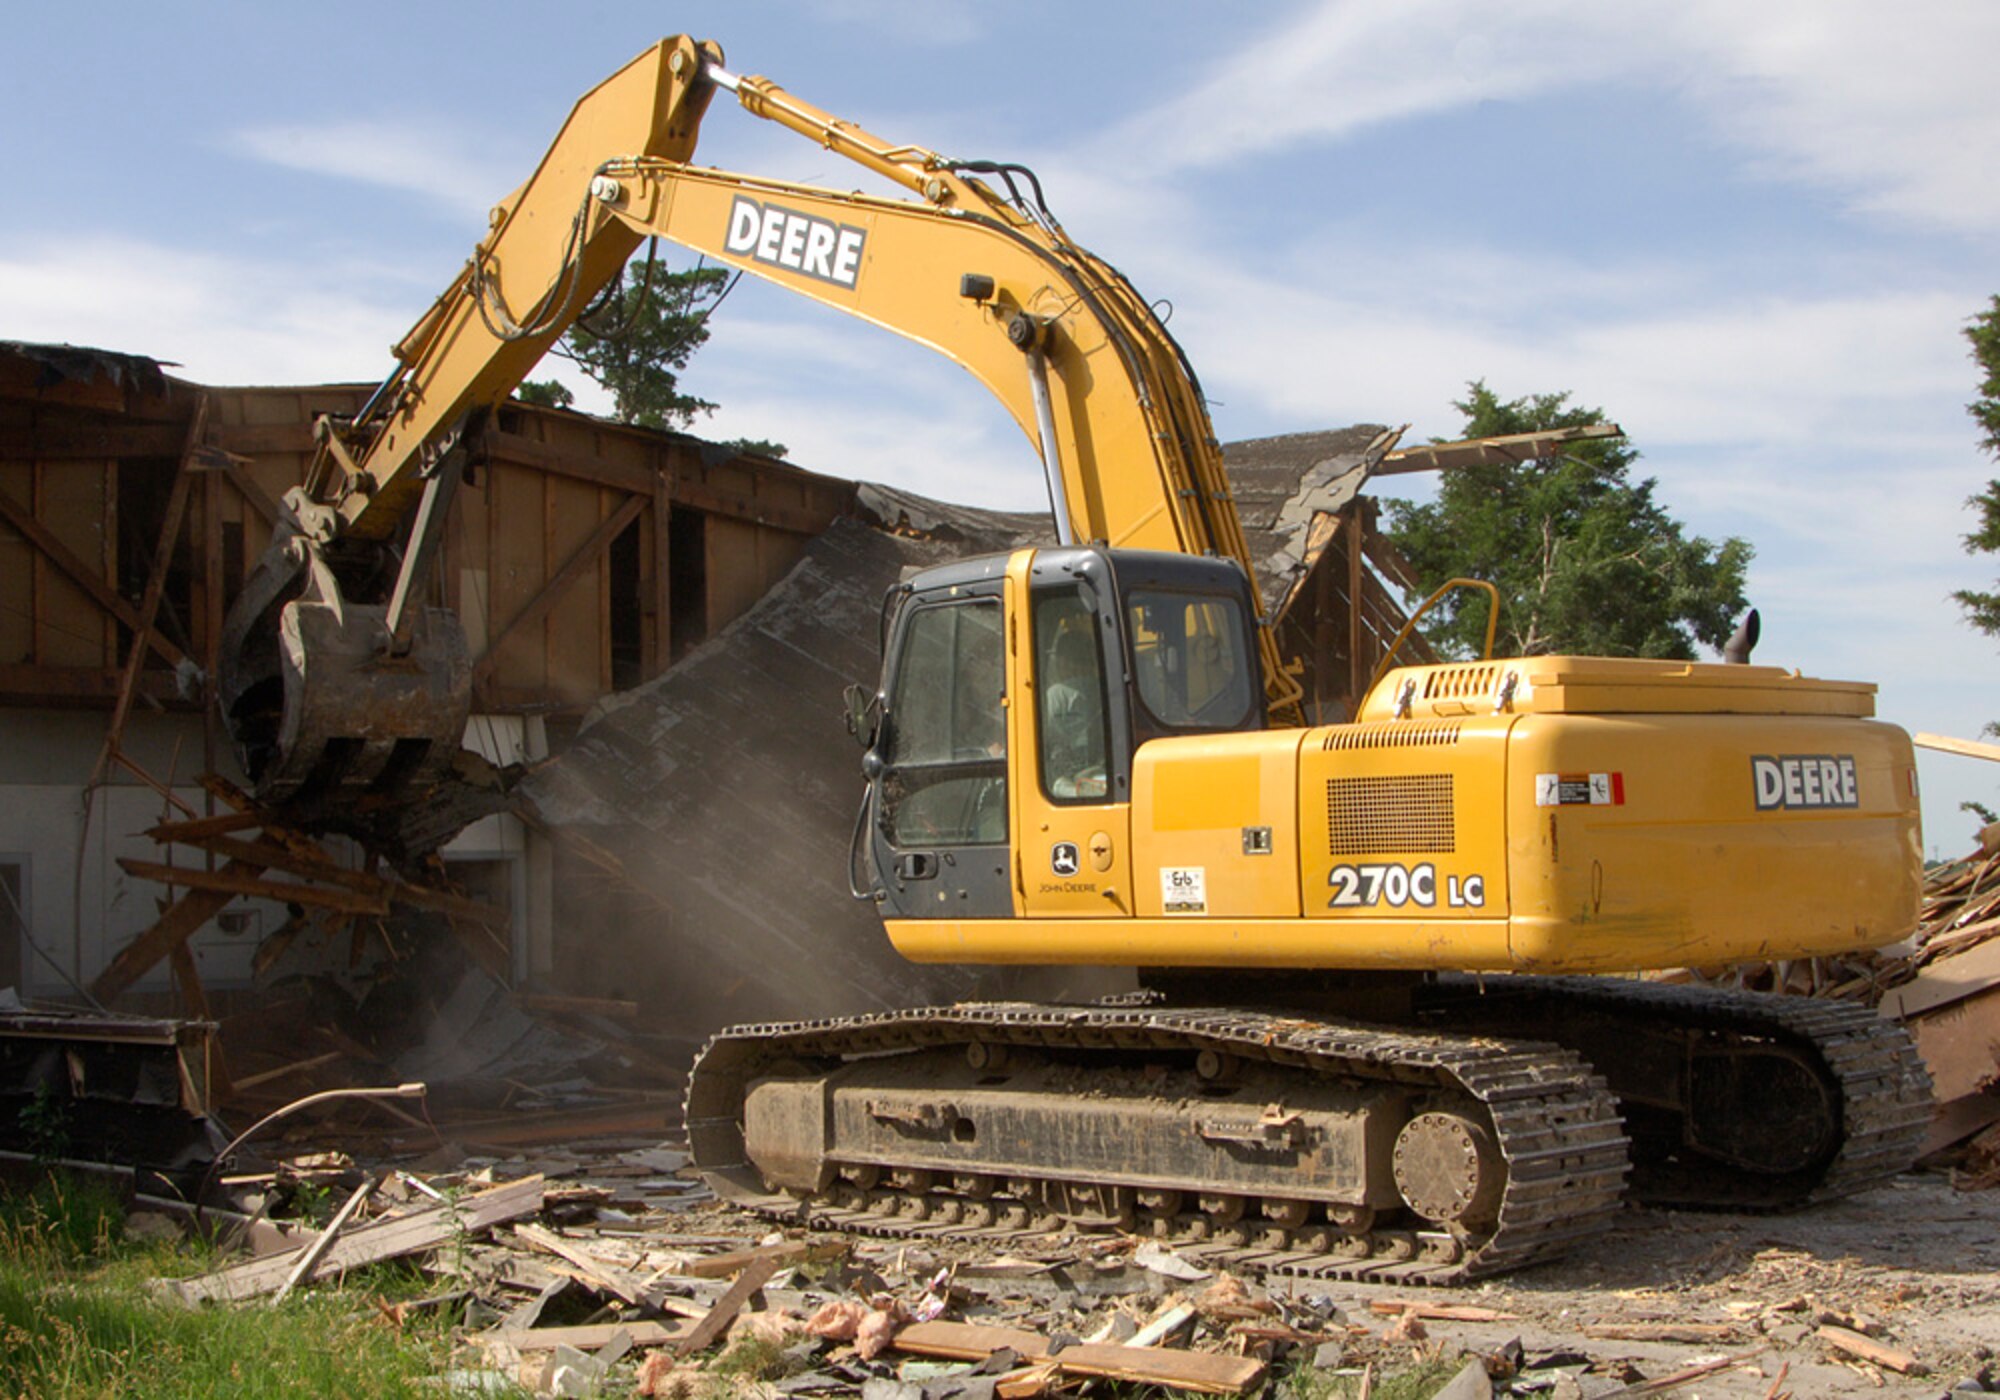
[1448,1169]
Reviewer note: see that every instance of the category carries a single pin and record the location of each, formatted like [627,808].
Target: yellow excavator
[1366,1044]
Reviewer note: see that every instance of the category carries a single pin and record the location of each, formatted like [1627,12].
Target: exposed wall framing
[583,556]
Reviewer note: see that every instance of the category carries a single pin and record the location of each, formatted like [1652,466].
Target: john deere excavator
[1365,1047]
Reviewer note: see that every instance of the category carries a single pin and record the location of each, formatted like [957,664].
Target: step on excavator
[1380,1034]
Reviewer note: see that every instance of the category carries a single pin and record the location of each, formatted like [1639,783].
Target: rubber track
[1557,1124]
[1885,1090]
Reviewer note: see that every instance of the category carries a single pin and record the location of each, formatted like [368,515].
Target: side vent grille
[1461,682]
[1410,813]
[1392,736]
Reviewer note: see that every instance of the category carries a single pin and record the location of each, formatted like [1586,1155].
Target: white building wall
[80,908]
[82,923]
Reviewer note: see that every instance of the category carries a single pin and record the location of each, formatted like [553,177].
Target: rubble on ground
[610,1270]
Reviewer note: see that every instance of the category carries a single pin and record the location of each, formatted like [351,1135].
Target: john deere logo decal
[796,241]
[1804,781]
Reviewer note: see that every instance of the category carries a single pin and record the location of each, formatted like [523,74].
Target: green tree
[1586,560]
[545,393]
[1982,609]
[638,337]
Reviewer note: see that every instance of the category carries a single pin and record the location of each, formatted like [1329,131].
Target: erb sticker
[1184,889]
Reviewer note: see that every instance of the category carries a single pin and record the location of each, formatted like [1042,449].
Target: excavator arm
[337,680]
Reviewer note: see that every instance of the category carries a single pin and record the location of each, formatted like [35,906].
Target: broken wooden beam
[1185,1370]
[585,1338]
[604,1277]
[388,1238]
[310,1256]
[782,1255]
[195,828]
[754,1276]
[1439,1312]
[1697,1332]
[231,880]
[1868,1349]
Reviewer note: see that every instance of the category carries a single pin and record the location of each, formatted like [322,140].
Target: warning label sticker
[1579,789]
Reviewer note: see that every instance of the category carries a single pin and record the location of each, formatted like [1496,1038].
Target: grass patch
[1419,1380]
[77,1318]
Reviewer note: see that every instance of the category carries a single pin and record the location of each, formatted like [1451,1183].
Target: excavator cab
[1015,692]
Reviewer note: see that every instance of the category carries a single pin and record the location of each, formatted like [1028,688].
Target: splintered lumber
[781,1255]
[251,1081]
[754,1276]
[605,1278]
[590,1338]
[231,881]
[309,1258]
[968,1341]
[1660,1331]
[388,1238]
[1439,1312]
[1185,1370]
[1868,1349]
[195,829]
[274,856]
[1162,1327]
[1660,1385]
[1945,743]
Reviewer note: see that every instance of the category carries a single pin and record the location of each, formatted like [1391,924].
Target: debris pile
[613,1271]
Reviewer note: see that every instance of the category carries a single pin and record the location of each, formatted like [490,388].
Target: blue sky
[1751,233]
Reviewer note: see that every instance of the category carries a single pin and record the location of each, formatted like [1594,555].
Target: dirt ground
[1915,1261]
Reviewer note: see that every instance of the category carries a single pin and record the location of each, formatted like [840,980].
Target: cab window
[1190,659]
[1069,698]
[945,776]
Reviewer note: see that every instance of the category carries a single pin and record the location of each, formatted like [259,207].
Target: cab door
[1072,746]
[938,770]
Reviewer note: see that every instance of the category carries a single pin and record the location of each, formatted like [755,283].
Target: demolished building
[662,624]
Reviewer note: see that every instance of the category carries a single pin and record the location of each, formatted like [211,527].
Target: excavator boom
[991,282]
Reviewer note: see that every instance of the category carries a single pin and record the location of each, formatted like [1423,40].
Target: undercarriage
[1461,1140]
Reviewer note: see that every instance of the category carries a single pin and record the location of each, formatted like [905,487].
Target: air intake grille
[1409,813]
[1461,682]
[1391,736]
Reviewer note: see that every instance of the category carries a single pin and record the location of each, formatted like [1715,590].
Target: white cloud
[1895,103]
[1891,106]
[1348,65]
[452,171]
[222,319]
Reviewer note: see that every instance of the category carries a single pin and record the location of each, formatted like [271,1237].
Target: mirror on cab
[860,714]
